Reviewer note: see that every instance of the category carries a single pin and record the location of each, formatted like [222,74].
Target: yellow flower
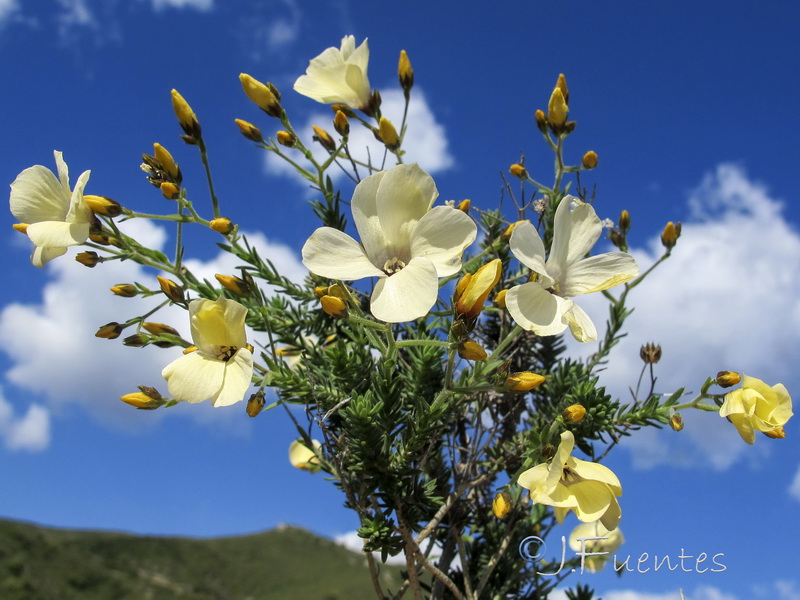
[757,407]
[338,75]
[303,457]
[580,540]
[568,483]
[473,289]
[501,504]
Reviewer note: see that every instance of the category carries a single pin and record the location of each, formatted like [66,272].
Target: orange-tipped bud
[624,220]
[286,139]
[21,227]
[171,289]
[464,205]
[541,121]
[500,298]
[561,83]
[250,131]
[159,328]
[100,205]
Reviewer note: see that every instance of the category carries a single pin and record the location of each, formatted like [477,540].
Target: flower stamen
[393,265]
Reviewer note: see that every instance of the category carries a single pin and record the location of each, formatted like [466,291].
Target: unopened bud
[624,220]
[100,205]
[561,83]
[142,400]
[676,422]
[388,134]
[186,117]
[518,170]
[255,404]
[168,164]
[557,110]
[650,353]
[88,259]
[233,284]
[464,206]
[348,112]
[471,350]
[109,331]
[324,138]
[500,298]
[126,290]
[250,131]
[190,349]
[523,381]
[618,239]
[669,236]
[776,434]
[574,414]
[334,306]
[137,340]
[320,291]
[501,504]
[262,95]
[337,291]
[404,71]
[473,290]
[286,139]
[341,124]
[171,289]
[589,160]
[170,190]
[541,121]
[727,379]
[221,225]
[159,328]
[21,227]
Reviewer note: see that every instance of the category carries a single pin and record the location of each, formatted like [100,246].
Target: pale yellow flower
[568,483]
[757,407]
[608,542]
[303,457]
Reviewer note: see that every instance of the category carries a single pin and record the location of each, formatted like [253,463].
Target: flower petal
[560,460]
[79,211]
[334,254]
[536,309]
[593,500]
[36,195]
[404,195]
[408,294]
[574,233]
[365,216]
[610,520]
[744,425]
[597,472]
[534,478]
[580,325]
[62,169]
[528,248]
[42,255]
[598,273]
[58,234]
[217,323]
[194,377]
[441,236]
[238,374]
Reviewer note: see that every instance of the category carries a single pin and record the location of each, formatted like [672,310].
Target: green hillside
[288,563]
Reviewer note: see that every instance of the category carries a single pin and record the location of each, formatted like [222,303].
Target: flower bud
[348,112]
[286,139]
[727,379]
[776,434]
[159,328]
[324,138]
[669,236]
[186,117]
[574,414]
[404,71]
[471,295]
[167,163]
[557,110]
[518,170]
[190,349]
[126,290]
[471,350]
[262,95]
[341,124]
[137,340]
[388,134]
[337,291]
[676,422]
[221,225]
[541,121]
[501,504]
[650,353]
[523,381]
[561,83]
[169,190]
[320,291]
[255,404]
[171,289]
[88,259]
[21,227]
[250,131]
[100,205]
[500,298]
[464,206]
[589,160]
[233,284]
[334,306]
[624,220]
[143,401]
[506,235]
[109,331]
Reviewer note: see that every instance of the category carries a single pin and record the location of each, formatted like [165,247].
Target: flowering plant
[441,401]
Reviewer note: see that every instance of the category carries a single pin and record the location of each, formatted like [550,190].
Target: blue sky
[691,108]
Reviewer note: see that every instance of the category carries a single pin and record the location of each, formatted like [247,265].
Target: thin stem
[204,157]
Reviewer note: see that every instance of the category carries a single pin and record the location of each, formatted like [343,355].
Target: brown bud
[100,205]
[341,124]
[126,290]
[171,289]
[727,379]
[233,284]
[624,220]
[650,353]
[109,331]
[404,71]
[255,404]
[676,422]
[541,121]
[286,139]
[324,138]
[250,131]
[669,236]
[137,340]
[589,160]
[88,259]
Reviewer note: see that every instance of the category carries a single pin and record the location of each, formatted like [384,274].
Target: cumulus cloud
[51,344]
[8,8]
[425,139]
[726,299]
[29,432]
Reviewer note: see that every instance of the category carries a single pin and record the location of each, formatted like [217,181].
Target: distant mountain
[288,563]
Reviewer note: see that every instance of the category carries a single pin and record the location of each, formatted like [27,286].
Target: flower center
[225,352]
[393,265]
[568,476]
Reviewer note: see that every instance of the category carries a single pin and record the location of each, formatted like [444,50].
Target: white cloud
[787,590]
[724,300]
[53,351]
[794,489]
[7,9]
[700,593]
[30,432]
[425,139]
[201,5]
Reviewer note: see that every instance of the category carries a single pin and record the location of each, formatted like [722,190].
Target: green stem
[204,157]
